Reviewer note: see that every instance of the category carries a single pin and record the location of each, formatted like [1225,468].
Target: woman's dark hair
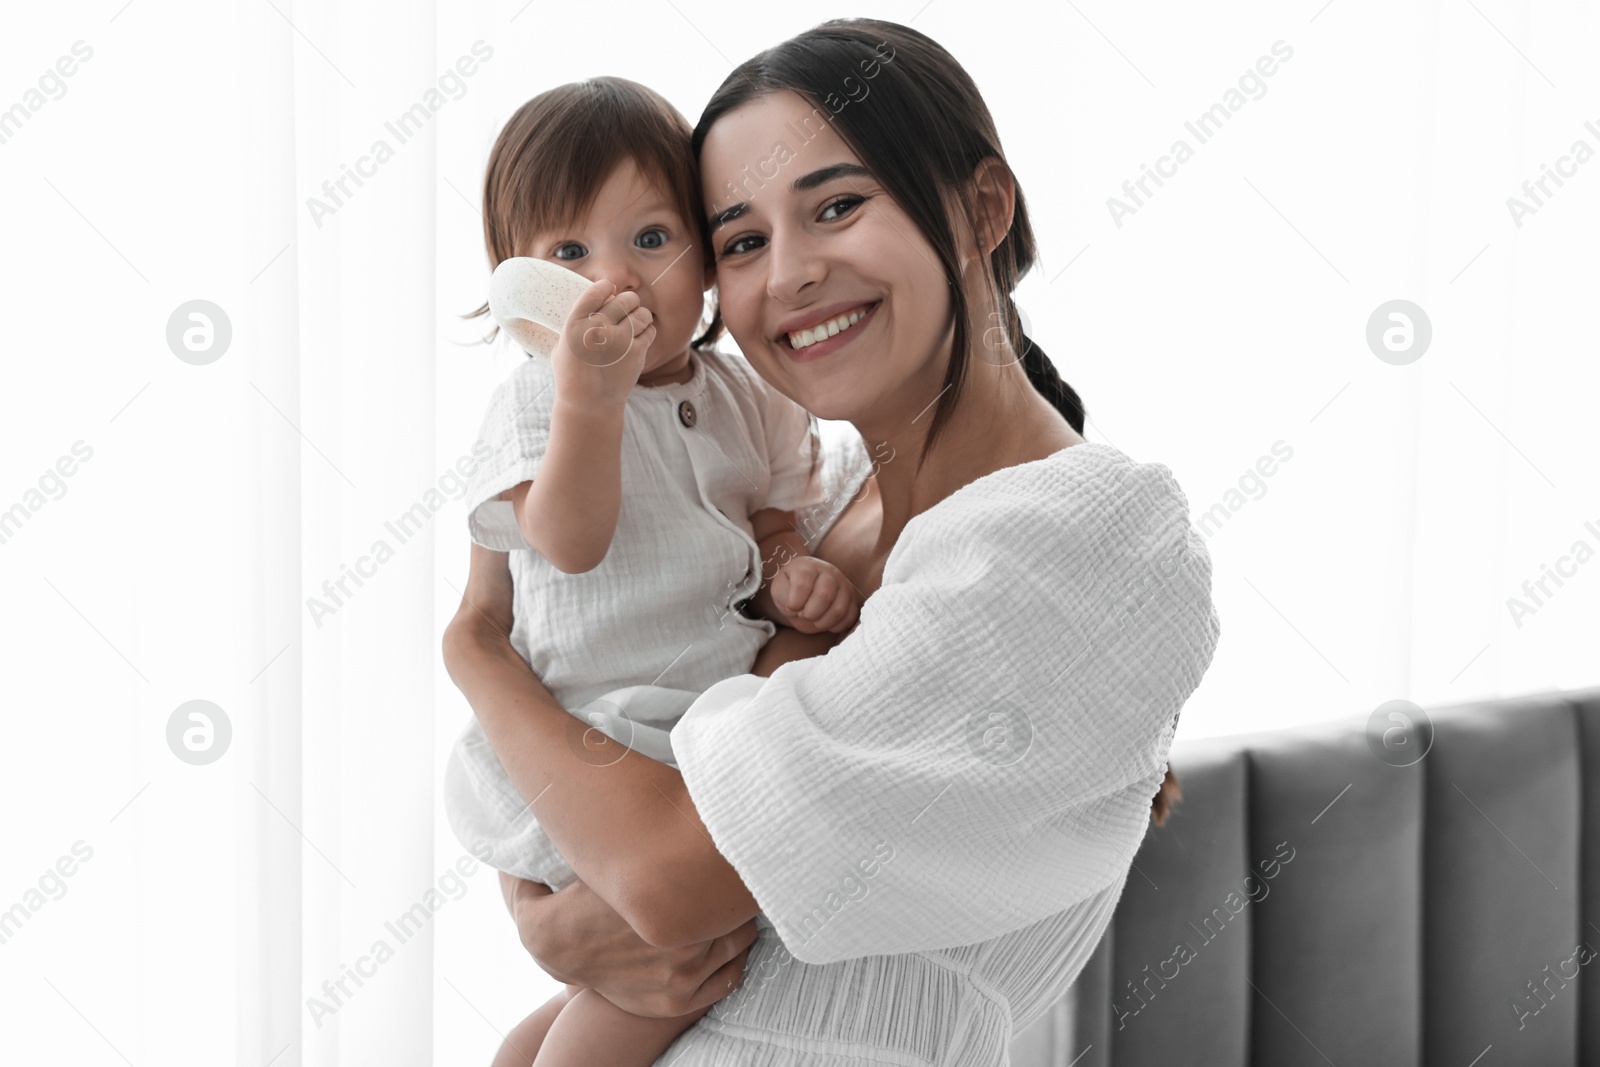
[921,128]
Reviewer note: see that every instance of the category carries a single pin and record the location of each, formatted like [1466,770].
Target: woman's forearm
[623,821]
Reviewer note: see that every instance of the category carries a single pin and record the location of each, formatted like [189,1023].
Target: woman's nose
[793,263]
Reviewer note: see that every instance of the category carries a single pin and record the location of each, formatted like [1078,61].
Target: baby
[643,484]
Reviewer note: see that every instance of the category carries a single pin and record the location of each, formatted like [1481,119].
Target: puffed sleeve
[981,751]
[516,429]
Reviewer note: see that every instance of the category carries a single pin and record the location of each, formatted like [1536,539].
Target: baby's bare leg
[590,1029]
[522,1043]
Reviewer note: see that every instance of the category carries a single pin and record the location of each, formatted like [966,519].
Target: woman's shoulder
[1086,541]
[1087,502]
[1087,464]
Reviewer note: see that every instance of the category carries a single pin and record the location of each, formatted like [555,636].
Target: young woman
[916,839]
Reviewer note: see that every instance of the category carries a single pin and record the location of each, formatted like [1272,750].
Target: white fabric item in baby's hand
[531,299]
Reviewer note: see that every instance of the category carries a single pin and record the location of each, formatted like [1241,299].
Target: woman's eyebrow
[804,183]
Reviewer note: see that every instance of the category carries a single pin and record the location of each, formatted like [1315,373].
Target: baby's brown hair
[558,149]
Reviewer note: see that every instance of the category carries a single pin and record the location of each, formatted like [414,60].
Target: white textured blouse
[937,817]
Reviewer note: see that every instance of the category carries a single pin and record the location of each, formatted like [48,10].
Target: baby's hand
[813,595]
[602,348]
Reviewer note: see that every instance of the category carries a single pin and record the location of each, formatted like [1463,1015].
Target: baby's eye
[569,244]
[653,238]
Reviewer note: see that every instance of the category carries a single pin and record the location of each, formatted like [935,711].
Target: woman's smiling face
[834,248]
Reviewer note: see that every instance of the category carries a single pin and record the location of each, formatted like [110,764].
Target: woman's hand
[576,937]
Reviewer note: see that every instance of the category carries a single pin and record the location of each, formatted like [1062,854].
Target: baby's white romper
[661,610]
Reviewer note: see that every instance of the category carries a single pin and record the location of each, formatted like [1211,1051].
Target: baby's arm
[569,512]
[797,588]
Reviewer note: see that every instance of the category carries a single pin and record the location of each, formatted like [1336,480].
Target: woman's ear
[994,201]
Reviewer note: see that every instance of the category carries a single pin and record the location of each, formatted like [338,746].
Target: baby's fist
[601,352]
[813,595]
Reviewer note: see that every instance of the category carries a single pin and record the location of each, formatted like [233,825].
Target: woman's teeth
[807,338]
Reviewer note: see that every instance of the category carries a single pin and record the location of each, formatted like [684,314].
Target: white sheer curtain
[275,532]
[343,891]
[343,443]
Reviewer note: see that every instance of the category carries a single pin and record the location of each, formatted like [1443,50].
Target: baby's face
[633,237]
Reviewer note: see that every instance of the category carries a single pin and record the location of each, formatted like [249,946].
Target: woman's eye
[653,238]
[569,244]
[733,247]
[842,202]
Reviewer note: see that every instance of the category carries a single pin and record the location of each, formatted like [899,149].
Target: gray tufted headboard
[1311,901]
